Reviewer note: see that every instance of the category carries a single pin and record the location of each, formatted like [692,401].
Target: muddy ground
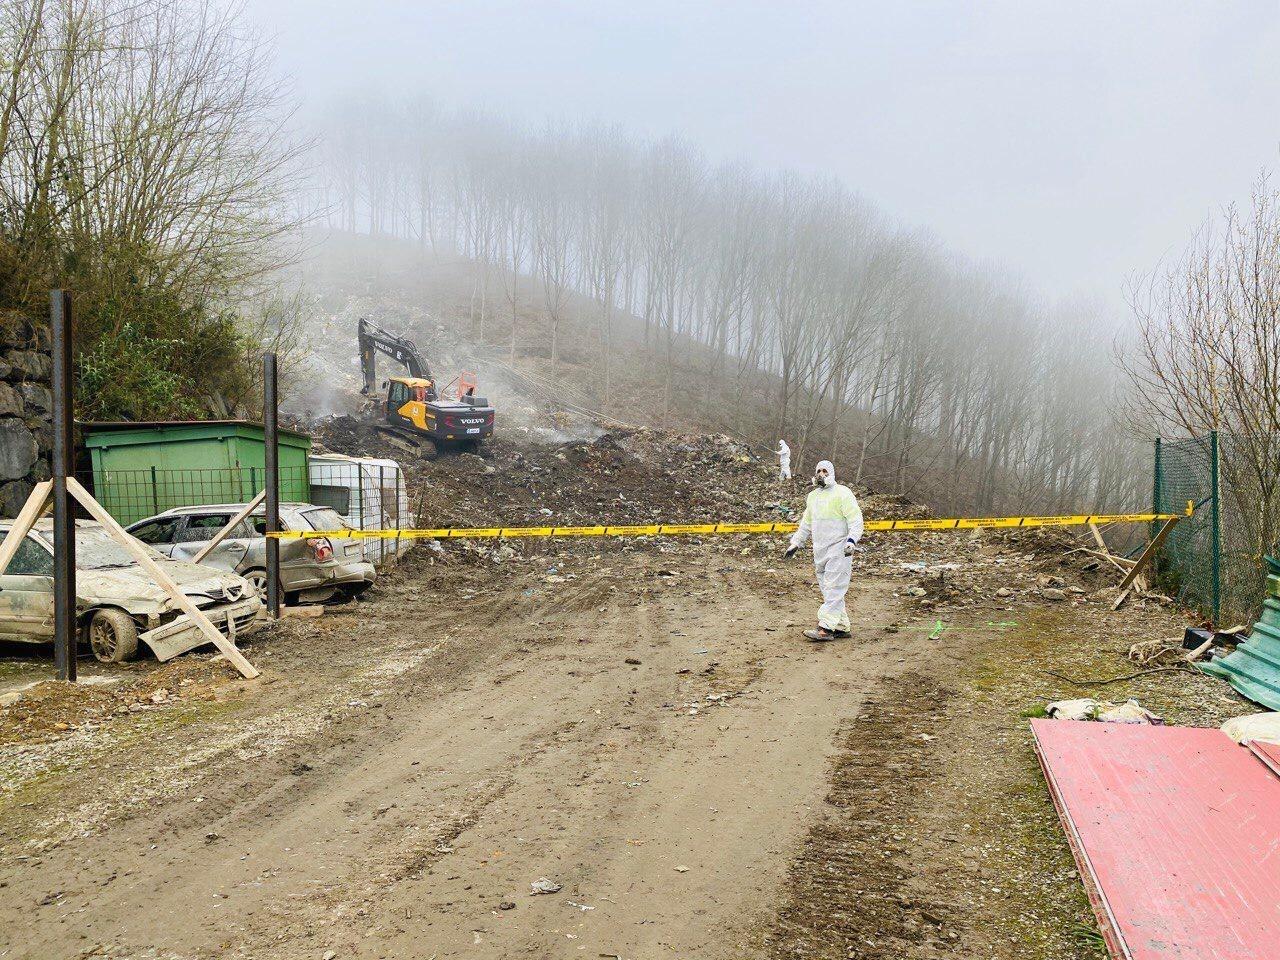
[638,722]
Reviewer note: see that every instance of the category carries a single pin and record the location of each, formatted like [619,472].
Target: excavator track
[423,446]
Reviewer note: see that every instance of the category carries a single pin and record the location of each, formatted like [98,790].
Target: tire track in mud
[527,745]
[851,891]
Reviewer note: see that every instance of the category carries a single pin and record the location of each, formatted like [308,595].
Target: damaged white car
[117,603]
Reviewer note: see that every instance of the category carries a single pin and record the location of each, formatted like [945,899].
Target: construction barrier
[676,529]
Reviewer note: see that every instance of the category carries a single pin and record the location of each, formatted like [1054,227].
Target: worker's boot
[841,634]
[819,634]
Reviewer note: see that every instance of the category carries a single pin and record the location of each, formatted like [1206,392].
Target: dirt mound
[626,476]
[51,707]
[637,475]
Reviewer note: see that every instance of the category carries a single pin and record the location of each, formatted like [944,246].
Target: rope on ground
[1127,676]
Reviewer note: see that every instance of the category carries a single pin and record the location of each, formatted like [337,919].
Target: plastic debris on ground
[1255,726]
[1103,711]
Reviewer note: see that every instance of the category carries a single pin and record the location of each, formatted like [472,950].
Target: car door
[199,528]
[26,594]
[159,534]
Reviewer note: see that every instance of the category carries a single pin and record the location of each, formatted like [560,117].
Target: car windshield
[324,519]
[96,550]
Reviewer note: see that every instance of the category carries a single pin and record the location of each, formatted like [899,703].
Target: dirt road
[645,729]
[658,753]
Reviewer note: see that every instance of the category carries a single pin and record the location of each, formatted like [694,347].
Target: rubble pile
[637,475]
[946,570]
[48,709]
[627,476]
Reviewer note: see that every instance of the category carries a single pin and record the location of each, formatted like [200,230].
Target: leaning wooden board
[180,599]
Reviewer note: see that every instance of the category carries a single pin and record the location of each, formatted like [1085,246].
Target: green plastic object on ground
[1254,667]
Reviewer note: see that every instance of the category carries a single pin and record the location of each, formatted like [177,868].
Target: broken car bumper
[180,635]
[328,575]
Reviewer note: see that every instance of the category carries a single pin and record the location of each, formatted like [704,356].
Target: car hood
[134,590]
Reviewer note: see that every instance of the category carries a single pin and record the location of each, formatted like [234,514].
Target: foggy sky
[1074,144]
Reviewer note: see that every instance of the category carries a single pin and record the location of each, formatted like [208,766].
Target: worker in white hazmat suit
[833,520]
[784,460]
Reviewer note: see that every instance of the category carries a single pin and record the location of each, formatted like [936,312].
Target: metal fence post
[362,506]
[1215,520]
[271,457]
[64,523]
[399,474]
[1155,489]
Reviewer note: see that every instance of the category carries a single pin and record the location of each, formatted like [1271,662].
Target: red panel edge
[1268,753]
[1101,911]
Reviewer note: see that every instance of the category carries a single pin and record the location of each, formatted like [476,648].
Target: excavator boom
[374,340]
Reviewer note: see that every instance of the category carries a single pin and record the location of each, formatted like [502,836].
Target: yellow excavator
[413,404]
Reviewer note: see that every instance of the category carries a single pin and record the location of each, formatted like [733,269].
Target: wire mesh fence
[132,495]
[1214,559]
[368,495]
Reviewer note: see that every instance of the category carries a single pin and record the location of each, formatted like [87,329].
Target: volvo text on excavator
[414,404]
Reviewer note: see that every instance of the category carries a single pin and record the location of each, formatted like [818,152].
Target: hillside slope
[459,314]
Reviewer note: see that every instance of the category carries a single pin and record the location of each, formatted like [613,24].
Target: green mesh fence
[132,495]
[1213,560]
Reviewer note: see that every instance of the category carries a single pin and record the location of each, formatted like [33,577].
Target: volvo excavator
[413,404]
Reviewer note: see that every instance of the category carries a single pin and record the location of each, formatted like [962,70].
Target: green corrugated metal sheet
[1253,668]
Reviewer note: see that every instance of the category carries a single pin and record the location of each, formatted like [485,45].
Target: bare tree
[767,305]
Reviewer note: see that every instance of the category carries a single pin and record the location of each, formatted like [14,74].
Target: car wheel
[113,636]
[258,580]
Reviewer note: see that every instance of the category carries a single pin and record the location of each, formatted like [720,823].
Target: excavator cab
[408,401]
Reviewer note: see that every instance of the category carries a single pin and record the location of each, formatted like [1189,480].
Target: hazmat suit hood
[831,470]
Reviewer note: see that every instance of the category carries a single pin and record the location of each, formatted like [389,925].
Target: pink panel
[1177,834]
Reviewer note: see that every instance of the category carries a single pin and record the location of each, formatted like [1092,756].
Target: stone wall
[26,407]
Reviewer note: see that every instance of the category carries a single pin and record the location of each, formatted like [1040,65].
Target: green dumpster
[140,469]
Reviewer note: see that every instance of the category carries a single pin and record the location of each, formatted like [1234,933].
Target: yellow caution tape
[677,529]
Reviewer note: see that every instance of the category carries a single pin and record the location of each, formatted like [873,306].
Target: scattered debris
[543,885]
[1255,726]
[1130,711]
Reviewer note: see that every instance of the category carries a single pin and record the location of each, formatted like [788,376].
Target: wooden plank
[231,525]
[1104,552]
[1097,537]
[308,611]
[139,553]
[1123,563]
[26,519]
[1127,583]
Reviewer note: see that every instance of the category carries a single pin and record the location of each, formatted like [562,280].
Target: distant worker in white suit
[784,460]
[833,520]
